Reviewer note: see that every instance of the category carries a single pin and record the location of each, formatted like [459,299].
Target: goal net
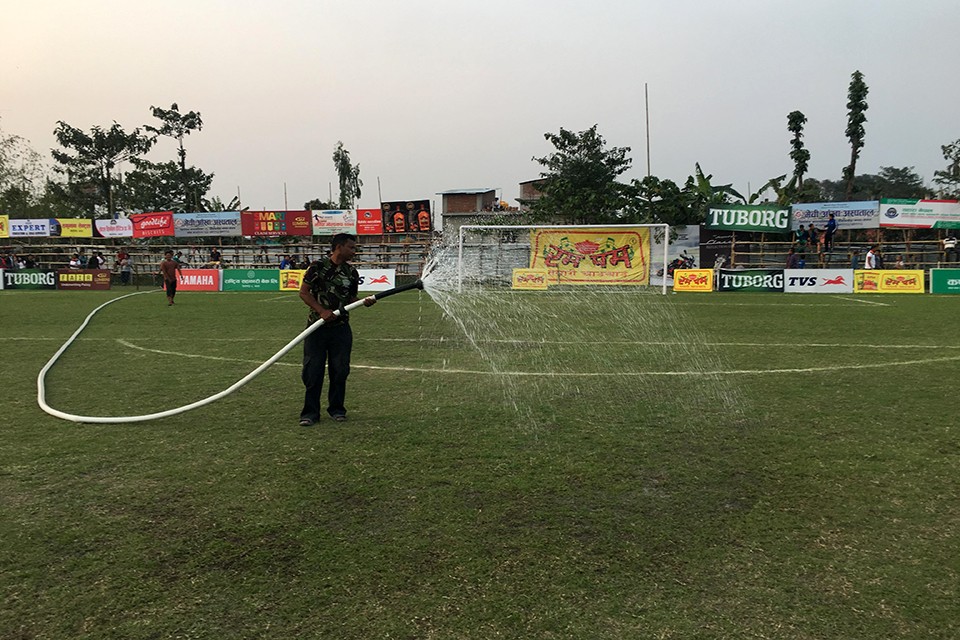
[549,256]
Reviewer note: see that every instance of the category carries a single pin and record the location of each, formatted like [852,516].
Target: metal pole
[646,100]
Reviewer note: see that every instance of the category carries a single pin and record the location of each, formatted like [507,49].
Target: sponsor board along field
[530,464]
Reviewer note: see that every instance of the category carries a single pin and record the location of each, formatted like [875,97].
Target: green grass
[813,504]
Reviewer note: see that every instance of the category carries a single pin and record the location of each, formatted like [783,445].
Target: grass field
[699,466]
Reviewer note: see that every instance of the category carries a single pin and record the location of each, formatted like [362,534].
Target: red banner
[276,223]
[152,225]
[369,222]
[199,280]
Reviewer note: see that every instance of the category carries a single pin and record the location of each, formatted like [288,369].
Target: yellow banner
[693,280]
[4,226]
[290,279]
[888,281]
[592,256]
[531,279]
[75,227]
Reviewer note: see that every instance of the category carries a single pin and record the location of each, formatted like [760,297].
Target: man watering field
[327,287]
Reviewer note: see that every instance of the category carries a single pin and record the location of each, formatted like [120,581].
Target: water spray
[41,390]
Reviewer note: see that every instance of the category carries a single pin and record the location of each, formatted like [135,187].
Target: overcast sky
[431,95]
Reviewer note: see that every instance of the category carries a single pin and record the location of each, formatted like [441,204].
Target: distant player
[169,268]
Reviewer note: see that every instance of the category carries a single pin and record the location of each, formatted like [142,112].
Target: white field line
[874,302]
[577,374]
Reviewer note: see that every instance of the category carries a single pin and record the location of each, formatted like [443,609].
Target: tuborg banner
[763,218]
[750,280]
[818,280]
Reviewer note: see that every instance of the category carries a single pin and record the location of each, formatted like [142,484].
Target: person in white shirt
[870,262]
[950,247]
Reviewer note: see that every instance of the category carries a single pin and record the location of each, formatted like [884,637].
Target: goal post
[488,254]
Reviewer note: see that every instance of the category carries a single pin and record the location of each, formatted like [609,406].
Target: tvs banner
[369,222]
[152,225]
[888,281]
[116,228]
[920,214]
[83,279]
[30,228]
[276,223]
[592,256]
[290,279]
[818,280]
[329,223]
[406,216]
[198,280]
[71,227]
[29,279]
[4,226]
[209,223]
[251,279]
[945,281]
[849,215]
[763,218]
[751,280]
[377,279]
[531,279]
[693,280]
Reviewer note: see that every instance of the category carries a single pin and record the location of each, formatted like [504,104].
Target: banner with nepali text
[531,279]
[71,227]
[693,280]
[920,214]
[332,222]
[849,215]
[113,228]
[369,222]
[888,281]
[206,223]
[4,226]
[592,256]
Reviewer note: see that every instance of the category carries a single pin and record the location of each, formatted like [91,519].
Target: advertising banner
[693,280]
[377,279]
[30,228]
[29,279]
[290,279]
[683,252]
[83,279]
[406,216]
[251,280]
[849,215]
[369,222]
[208,223]
[818,280]
[767,218]
[888,281]
[716,247]
[332,222]
[198,280]
[276,223]
[945,281]
[116,228]
[71,227]
[592,256]
[920,214]
[152,225]
[750,280]
[4,226]
[530,279]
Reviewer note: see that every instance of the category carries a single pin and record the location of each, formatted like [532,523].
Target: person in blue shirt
[829,233]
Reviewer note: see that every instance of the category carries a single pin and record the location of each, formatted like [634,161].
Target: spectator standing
[950,247]
[855,259]
[286,263]
[871,263]
[793,260]
[829,232]
[126,268]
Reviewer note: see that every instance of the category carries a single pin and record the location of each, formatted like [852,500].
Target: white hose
[41,393]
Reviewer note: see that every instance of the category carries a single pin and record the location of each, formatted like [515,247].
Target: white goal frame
[659,225]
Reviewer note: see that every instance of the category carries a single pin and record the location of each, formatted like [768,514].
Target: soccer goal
[561,255]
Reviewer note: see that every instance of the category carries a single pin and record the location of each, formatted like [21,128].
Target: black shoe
[307,422]
[339,417]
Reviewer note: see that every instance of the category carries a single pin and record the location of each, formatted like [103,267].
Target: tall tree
[799,155]
[178,125]
[580,179]
[856,116]
[949,178]
[89,160]
[23,176]
[165,186]
[349,176]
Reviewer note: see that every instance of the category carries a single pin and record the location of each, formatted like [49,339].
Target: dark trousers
[327,347]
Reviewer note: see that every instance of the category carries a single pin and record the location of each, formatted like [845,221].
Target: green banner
[767,218]
[251,280]
[945,281]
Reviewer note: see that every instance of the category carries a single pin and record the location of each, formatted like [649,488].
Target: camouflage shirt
[333,286]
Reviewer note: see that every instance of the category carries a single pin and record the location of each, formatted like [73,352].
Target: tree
[319,205]
[580,181]
[949,178]
[23,177]
[178,125]
[799,155]
[889,182]
[165,186]
[89,161]
[349,176]
[856,108]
